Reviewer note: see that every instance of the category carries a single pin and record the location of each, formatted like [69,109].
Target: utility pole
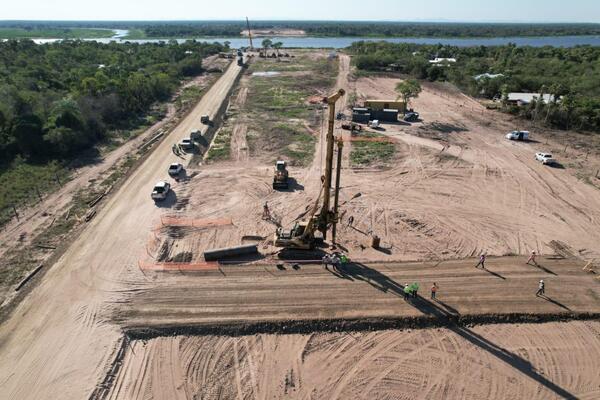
[249,34]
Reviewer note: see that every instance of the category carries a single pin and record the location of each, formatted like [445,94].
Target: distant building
[526,98]
[487,76]
[385,105]
[442,60]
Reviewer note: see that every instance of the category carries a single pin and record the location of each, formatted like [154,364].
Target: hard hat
[541,281]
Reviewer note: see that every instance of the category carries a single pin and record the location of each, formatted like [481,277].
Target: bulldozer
[305,233]
[280,177]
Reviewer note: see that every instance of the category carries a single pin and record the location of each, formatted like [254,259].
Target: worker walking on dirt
[434,289]
[481,261]
[541,288]
[266,213]
[531,258]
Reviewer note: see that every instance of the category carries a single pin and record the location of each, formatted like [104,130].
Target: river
[341,42]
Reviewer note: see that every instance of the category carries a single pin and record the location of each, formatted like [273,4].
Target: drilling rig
[320,218]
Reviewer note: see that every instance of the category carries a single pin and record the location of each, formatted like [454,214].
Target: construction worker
[434,289]
[532,258]
[414,288]
[406,291]
[326,260]
[266,213]
[541,288]
[481,261]
[343,259]
[335,261]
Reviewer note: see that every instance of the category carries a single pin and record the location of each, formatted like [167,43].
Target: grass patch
[290,141]
[221,147]
[20,183]
[370,153]
[189,95]
[55,33]
[135,34]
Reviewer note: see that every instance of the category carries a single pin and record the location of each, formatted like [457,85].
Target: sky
[390,10]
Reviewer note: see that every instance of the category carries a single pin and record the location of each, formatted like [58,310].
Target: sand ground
[455,189]
[505,361]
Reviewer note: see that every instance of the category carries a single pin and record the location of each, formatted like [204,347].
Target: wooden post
[16,213]
[597,171]
[57,179]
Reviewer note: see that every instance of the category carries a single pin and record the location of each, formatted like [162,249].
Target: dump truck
[281,176]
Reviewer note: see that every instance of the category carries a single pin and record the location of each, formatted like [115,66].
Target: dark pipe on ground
[217,254]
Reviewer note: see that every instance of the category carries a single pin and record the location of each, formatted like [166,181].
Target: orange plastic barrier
[196,223]
[178,266]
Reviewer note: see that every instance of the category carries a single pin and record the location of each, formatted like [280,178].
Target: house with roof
[521,99]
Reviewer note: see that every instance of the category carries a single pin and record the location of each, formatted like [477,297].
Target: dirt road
[58,341]
[267,292]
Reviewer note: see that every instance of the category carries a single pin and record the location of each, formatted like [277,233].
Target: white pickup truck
[160,191]
[518,135]
[545,158]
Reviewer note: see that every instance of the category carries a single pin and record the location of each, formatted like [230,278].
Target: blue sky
[396,10]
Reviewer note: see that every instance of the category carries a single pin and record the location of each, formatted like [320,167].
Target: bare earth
[529,361]
[274,32]
[141,266]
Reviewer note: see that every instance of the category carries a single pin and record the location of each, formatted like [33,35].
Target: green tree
[277,46]
[267,43]
[407,90]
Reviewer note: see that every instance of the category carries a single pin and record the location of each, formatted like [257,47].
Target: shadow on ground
[440,310]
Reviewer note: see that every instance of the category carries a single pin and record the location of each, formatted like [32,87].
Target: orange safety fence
[371,139]
[178,266]
[169,220]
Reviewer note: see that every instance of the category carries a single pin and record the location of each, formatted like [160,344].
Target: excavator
[303,235]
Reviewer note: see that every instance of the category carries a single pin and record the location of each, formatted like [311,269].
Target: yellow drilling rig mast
[321,217]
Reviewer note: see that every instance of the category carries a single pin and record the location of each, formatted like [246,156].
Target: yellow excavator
[320,217]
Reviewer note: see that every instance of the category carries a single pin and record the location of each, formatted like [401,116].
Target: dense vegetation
[171,29]
[62,33]
[373,29]
[573,73]
[56,99]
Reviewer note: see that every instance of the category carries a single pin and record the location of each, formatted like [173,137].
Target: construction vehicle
[321,218]
[352,126]
[280,177]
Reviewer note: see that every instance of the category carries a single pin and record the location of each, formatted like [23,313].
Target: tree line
[57,99]
[370,29]
[571,75]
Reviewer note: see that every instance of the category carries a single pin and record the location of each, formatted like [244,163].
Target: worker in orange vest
[434,289]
